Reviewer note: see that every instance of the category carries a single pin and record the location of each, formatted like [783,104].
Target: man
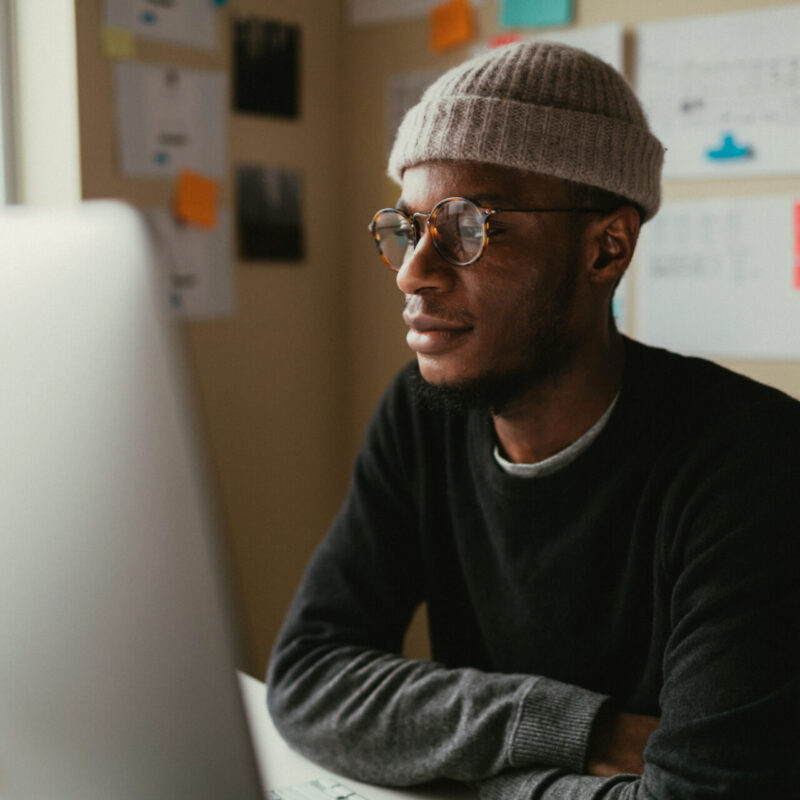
[605,534]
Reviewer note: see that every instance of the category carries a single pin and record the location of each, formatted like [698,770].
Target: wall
[268,378]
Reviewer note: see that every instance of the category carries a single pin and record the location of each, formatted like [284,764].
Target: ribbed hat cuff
[575,145]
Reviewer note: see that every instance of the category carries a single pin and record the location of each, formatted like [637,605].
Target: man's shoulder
[704,398]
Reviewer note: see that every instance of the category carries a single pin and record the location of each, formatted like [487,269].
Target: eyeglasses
[459,229]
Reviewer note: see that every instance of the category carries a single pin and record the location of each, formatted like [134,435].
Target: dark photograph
[266,67]
[269,213]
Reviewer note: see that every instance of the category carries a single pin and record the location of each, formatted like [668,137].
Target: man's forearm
[386,719]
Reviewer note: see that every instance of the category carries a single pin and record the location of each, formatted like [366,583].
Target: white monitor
[117,673]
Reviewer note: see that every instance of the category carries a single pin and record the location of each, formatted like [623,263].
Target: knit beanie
[542,107]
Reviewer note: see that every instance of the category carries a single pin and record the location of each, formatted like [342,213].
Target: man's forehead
[487,184]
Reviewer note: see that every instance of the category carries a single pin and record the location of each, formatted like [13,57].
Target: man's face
[489,331]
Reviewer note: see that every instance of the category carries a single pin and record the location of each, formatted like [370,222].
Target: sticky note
[451,24]
[117,44]
[196,199]
[535,13]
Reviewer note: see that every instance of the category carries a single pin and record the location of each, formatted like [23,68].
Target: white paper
[736,75]
[170,119]
[187,22]
[379,12]
[199,264]
[717,277]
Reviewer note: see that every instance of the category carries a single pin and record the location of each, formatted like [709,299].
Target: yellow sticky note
[118,44]
[196,199]
[451,24]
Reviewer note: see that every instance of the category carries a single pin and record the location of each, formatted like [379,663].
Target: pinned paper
[196,199]
[117,43]
[535,13]
[451,24]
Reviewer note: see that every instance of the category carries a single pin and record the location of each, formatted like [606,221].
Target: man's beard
[486,392]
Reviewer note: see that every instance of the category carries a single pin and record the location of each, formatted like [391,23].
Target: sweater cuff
[554,725]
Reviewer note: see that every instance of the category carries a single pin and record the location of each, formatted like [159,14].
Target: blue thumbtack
[161,157]
[729,149]
[148,17]
[219,3]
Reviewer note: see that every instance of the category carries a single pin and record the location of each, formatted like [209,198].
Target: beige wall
[269,377]
[286,384]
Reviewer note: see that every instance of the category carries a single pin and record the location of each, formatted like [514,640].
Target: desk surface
[280,766]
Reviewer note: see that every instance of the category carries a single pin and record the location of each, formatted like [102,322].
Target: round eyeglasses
[459,229]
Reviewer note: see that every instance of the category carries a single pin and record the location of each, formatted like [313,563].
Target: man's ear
[614,238]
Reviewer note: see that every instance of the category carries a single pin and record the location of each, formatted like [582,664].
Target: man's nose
[424,270]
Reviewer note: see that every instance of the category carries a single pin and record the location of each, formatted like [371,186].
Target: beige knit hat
[537,106]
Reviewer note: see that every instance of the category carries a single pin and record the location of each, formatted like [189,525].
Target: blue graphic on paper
[730,149]
[161,157]
[148,17]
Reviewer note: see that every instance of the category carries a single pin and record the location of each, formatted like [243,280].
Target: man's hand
[617,743]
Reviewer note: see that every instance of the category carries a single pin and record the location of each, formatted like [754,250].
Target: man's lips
[429,334]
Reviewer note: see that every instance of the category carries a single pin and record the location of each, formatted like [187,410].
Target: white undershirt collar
[560,459]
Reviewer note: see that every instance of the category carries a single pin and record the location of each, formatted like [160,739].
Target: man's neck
[550,416]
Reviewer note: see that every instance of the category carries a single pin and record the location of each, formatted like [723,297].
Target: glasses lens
[394,235]
[458,231]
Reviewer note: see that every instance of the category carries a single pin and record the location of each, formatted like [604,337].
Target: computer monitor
[117,665]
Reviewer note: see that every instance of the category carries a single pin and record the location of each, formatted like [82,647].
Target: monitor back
[117,675]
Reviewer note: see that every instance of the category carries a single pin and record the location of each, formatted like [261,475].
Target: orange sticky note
[451,24]
[196,199]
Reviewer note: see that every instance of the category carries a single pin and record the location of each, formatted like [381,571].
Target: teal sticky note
[535,13]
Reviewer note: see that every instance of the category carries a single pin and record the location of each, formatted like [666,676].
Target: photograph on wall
[269,213]
[266,56]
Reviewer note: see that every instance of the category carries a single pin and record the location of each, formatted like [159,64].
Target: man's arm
[340,692]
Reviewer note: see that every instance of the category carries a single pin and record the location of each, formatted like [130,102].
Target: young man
[605,534]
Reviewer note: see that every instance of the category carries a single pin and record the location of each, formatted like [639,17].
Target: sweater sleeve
[730,701]
[340,693]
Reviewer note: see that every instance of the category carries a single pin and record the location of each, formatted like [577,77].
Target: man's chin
[485,392]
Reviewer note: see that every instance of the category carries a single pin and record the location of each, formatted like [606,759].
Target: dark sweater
[659,571]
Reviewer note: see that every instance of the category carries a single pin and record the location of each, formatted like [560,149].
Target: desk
[280,766]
